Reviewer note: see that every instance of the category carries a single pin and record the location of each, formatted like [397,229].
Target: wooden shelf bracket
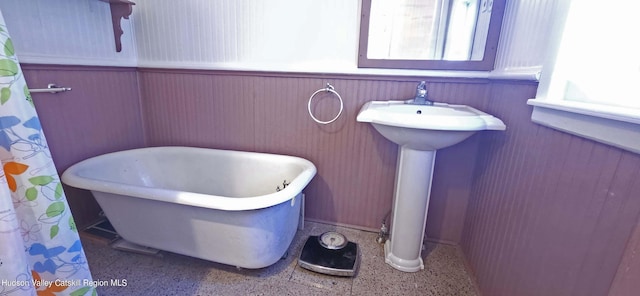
[119,9]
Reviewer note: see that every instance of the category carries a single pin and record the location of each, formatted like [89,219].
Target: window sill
[619,127]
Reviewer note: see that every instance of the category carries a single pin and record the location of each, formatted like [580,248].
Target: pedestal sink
[419,130]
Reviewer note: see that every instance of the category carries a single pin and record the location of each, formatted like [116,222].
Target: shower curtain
[40,250]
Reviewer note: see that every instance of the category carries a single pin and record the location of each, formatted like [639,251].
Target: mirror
[430,34]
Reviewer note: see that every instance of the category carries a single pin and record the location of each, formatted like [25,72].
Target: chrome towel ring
[330,89]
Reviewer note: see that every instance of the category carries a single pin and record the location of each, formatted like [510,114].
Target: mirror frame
[487,62]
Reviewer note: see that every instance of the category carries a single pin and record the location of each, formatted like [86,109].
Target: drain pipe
[384,230]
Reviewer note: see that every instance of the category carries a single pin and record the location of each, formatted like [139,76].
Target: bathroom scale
[330,253]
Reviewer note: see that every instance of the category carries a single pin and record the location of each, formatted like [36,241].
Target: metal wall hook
[329,87]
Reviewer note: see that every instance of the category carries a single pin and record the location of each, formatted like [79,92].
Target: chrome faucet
[421,96]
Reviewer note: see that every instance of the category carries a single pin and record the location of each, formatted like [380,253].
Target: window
[591,85]
[430,34]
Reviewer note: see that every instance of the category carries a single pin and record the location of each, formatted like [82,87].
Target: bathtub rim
[71,178]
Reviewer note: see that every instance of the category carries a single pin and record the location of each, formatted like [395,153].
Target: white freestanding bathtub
[218,205]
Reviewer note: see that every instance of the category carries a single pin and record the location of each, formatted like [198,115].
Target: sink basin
[420,130]
[426,127]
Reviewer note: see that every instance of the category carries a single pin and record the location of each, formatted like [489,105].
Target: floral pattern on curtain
[40,249]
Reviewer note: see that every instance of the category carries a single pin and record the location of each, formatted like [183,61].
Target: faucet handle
[421,90]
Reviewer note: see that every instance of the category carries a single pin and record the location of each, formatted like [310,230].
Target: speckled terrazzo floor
[173,274]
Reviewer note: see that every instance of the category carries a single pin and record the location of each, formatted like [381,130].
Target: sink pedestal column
[414,172]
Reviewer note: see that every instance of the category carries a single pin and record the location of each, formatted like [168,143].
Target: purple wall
[551,213]
[356,166]
[536,211]
[101,114]
[626,281]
